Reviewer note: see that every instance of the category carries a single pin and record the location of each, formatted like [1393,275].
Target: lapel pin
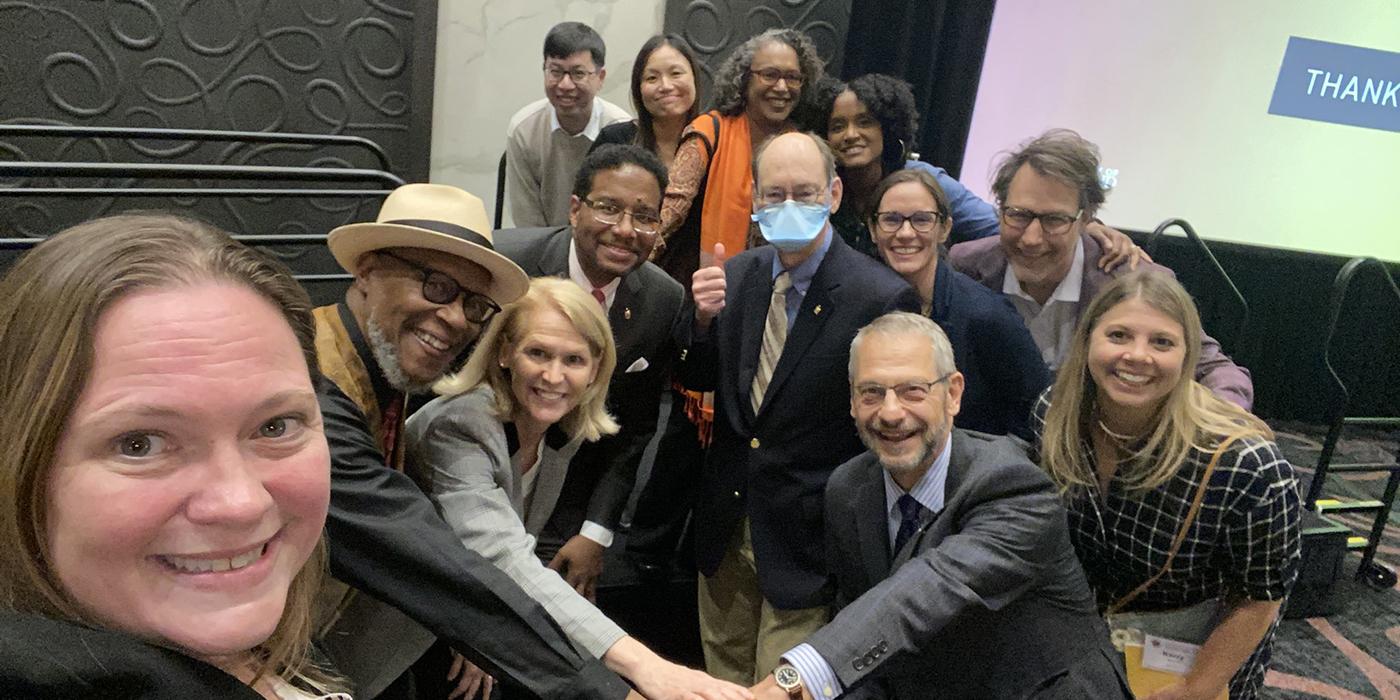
[817,311]
[627,313]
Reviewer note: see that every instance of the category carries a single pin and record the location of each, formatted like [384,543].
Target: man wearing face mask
[771,336]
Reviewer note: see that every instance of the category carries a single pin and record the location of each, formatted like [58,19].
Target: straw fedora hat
[435,217]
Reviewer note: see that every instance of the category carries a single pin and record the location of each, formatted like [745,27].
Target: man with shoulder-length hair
[1048,190]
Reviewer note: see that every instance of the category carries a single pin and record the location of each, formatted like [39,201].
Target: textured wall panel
[715,27]
[354,67]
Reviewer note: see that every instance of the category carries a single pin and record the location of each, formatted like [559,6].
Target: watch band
[789,680]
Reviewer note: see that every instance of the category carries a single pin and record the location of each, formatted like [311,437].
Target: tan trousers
[742,634]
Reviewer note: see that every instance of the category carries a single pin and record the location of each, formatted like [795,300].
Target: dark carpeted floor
[1354,652]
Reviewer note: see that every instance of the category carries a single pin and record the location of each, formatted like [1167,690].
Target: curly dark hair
[611,156]
[891,101]
[732,79]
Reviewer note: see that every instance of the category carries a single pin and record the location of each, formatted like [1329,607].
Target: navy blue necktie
[909,511]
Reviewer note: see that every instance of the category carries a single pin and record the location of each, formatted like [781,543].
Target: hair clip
[1108,177]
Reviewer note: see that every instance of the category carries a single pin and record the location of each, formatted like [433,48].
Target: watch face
[787,677]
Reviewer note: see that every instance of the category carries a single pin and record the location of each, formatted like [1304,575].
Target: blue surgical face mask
[791,226]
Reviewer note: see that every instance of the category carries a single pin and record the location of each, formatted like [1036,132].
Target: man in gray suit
[614,216]
[949,550]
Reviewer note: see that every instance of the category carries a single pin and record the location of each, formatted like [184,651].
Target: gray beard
[388,358]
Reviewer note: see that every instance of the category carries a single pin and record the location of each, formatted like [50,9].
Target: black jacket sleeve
[387,540]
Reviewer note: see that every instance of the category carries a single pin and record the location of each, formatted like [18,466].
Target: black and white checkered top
[1244,542]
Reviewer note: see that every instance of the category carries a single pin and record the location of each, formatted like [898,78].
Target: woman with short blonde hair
[589,420]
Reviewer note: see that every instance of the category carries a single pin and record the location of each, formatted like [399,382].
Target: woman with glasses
[1132,440]
[872,125]
[908,224]
[663,93]
[762,89]
[493,453]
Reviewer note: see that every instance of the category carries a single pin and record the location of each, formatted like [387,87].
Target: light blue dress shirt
[802,275]
[817,675]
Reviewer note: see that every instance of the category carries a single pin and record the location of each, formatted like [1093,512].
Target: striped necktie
[774,335]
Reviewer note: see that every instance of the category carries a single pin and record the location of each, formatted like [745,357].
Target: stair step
[1334,505]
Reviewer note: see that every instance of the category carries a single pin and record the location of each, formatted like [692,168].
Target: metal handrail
[177,170]
[121,132]
[1204,249]
[1336,415]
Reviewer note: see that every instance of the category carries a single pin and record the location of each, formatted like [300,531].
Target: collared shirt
[576,274]
[1051,325]
[928,491]
[817,675]
[590,130]
[590,529]
[801,276]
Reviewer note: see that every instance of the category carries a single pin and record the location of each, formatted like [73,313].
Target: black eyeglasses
[908,393]
[645,223]
[440,288]
[1052,223]
[577,75]
[771,76]
[922,221]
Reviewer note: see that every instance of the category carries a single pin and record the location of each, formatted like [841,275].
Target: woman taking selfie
[165,476]
[1178,501]
[493,452]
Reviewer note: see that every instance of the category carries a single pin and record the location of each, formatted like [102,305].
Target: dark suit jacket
[42,658]
[643,318]
[995,353]
[985,261]
[985,601]
[783,455]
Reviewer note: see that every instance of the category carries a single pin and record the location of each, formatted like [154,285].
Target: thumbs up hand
[707,287]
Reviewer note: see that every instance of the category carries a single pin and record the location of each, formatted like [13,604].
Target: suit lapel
[872,523]
[549,483]
[554,258]
[755,290]
[624,319]
[808,322]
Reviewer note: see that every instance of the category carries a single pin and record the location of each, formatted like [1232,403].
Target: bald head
[794,149]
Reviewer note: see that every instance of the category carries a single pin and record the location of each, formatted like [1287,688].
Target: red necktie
[601,297]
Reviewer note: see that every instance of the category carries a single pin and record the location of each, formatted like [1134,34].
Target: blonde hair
[50,303]
[1190,418]
[589,419]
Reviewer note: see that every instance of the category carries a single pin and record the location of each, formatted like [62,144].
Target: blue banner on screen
[1340,84]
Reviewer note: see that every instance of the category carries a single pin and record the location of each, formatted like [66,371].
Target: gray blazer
[987,600]
[458,454]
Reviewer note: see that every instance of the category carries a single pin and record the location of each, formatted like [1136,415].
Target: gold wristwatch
[789,680]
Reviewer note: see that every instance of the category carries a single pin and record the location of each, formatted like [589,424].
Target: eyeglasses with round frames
[922,221]
[908,393]
[1052,223]
[440,288]
[645,223]
[771,76]
[577,75]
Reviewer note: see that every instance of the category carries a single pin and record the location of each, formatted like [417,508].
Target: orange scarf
[724,215]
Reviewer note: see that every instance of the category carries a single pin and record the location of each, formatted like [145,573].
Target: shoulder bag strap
[1185,527]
